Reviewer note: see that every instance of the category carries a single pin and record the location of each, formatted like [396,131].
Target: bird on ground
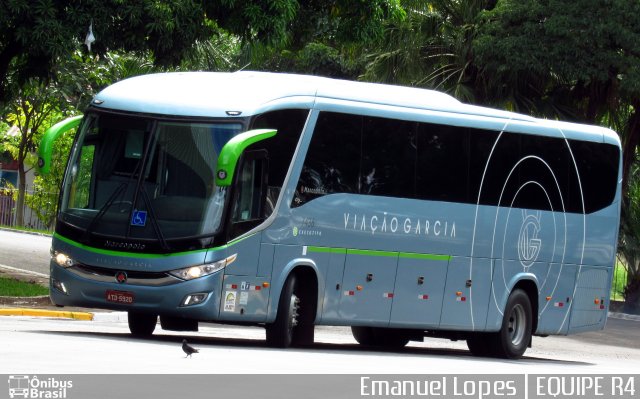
[189,350]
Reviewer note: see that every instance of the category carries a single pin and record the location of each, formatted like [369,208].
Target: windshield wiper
[103,210]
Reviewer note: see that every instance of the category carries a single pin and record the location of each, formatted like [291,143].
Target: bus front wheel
[382,337]
[142,324]
[294,321]
[481,344]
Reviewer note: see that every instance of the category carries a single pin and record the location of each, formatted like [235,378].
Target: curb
[105,317]
[33,233]
[624,316]
[46,313]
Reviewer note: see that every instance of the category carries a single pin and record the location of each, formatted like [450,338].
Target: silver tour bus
[292,201]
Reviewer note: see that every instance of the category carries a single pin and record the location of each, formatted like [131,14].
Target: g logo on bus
[528,242]
[121,277]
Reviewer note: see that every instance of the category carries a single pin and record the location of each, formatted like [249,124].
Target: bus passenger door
[419,288]
[367,287]
[244,297]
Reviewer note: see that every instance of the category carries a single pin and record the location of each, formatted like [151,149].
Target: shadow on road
[202,342]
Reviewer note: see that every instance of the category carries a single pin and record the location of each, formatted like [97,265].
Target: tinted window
[280,148]
[443,163]
[333,160]
[387,157]
[598,166]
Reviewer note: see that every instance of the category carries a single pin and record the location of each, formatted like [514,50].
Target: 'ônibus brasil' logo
[528,242]
[24,386]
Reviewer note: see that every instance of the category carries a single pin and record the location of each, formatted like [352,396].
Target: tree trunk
[630,143]
[22,188]
[632,297]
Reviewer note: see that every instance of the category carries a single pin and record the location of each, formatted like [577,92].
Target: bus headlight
[63,259]
[191,272]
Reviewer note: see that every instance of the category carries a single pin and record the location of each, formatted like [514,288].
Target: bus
[290,201]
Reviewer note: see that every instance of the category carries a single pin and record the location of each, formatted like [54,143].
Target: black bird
[189,350]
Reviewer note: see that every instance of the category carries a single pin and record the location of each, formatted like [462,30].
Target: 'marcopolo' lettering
[124,245]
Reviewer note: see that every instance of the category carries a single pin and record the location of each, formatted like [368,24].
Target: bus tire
[381,337]
[515,334]
[480,344]
[293,325]
[141,324]
[363,335]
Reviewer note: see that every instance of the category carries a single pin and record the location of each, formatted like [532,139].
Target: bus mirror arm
[231,152]
[45,150]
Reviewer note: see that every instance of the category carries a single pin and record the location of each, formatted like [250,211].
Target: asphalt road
[25,251]
[43,345]
[70,346]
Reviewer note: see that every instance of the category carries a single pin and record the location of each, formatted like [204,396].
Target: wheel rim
[517,325]
[294,305]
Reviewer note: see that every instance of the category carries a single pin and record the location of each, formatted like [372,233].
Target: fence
[33,207]
[619,281]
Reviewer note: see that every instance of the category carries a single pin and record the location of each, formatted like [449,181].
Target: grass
[13,287]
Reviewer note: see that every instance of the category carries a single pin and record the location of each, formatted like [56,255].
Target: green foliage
[587,52]
[44,199]
[619,281]
[33,36]
[313,59]
[431,47]
[219,53]
[326,38]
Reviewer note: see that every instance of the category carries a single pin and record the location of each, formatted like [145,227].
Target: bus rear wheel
[294,321]
[515,334]
[141,324]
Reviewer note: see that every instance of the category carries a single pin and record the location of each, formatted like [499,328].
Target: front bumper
[161,300]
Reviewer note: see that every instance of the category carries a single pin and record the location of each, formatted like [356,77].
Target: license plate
[125,297]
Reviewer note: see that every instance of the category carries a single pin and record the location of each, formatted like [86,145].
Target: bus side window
[289,124]
[250,193]
[332,162]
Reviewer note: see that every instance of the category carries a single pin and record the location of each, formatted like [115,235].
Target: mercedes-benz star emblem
[121,277]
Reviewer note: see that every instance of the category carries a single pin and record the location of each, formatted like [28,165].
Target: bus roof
[221,94]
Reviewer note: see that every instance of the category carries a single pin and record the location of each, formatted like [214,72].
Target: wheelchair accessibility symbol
[139,218]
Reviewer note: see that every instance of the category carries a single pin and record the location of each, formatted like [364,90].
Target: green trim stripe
[327,250]
[136,254]
[369,252]
[409,255]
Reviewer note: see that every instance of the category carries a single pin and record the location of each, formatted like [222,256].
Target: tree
[44,198]
[432,48]
[629,248]
[581,61]
[583,57]
[34,35]
[325,38]
[31,114]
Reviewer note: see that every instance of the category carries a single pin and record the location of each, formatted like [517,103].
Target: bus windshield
[141,178]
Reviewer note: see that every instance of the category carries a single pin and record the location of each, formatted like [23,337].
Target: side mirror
[231,152]
[46,144]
